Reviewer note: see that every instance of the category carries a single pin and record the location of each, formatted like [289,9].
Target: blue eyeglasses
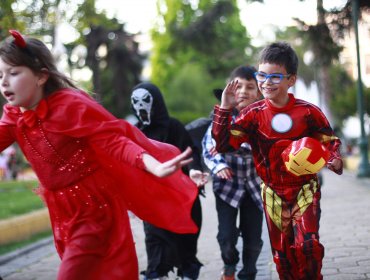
[275,78]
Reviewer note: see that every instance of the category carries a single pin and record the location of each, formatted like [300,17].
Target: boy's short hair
[280,53]
[244,72]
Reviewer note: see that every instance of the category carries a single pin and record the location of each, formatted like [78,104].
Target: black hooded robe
[165,249]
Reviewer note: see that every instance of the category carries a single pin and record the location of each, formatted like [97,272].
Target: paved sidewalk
[345,233]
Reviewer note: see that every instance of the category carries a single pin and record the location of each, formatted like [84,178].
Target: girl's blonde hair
[36,56]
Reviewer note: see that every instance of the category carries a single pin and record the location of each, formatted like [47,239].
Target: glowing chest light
[281,123]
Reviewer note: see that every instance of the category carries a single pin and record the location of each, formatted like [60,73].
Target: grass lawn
[17,197]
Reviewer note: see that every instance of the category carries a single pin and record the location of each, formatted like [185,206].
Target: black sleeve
[180,138]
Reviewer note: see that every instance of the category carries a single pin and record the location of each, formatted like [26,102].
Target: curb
[23,226]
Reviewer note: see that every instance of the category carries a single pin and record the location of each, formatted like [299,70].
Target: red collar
[30,117]
[287,107]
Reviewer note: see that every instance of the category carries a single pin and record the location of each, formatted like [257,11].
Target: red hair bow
[18,38]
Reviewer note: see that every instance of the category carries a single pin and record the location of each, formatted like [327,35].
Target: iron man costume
[291,202]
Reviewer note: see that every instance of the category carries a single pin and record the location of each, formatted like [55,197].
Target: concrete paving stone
[363,240]
[337,253]
[363,235]
[338,265]
[355,270]
[327,260]
[344,232]
[354,249]
[364,263]
[358,241]
[365,254]
[345,276]
[329,271]
[350,260]
[28,258]
[329,244]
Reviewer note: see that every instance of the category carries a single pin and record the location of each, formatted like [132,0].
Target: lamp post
[364,167]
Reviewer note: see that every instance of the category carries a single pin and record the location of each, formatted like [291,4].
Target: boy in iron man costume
[291,193]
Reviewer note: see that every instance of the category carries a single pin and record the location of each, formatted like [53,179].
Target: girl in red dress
[91,166]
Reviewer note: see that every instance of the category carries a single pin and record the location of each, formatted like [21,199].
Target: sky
[139,15]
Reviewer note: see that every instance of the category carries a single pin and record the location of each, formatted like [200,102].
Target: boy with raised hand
[236,186]
[291,200]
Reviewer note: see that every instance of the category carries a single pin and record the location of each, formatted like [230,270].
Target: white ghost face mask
[142,102]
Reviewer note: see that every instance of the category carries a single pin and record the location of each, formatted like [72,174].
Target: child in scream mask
[165,249]
[291,201]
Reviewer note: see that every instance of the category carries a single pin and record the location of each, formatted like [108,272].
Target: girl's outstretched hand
[168,167]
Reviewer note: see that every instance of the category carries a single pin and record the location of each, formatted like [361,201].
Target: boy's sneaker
[228,273]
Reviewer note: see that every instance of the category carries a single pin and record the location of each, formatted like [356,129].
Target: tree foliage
[345,88]
[112,54]
[344,97]
[322,41]
[7,18]
[340,21]
[192,40]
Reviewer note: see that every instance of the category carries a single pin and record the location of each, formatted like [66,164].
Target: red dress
[87,164]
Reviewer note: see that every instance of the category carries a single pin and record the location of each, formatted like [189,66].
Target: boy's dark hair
[244,72]
[280,53]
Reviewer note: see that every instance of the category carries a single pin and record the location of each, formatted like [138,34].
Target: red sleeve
[164,202]
[228,136]
[105,133]
[6,136]
[7,123]
[327,137]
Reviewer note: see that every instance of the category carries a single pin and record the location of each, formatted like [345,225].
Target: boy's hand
[228,100]
[335,164]
[225,173]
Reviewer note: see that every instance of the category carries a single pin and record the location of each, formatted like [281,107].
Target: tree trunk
[324,85]
[323,70]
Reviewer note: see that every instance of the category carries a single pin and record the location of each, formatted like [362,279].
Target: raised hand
[228,100]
